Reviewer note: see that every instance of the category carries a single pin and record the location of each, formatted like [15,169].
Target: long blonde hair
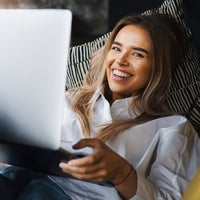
[168,42]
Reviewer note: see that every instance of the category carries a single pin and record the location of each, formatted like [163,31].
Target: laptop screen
[33,59]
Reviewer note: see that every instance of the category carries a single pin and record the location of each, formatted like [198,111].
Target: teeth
[121,74]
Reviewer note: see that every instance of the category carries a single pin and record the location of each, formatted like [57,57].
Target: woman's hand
[102,165]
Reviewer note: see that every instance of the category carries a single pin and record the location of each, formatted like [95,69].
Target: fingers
[85,161]
[98,176]
[79,170]
[101,165]
[91,142]
[91,163]
[92,173]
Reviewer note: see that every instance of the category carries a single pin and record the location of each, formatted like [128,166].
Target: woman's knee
[15,179]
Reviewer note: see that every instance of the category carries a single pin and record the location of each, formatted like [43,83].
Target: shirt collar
[122,105]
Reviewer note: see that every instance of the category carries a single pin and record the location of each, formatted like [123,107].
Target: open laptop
[33,59]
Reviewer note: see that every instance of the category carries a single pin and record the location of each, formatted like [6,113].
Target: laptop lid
[33,59]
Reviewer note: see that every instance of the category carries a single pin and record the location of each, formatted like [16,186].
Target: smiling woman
[124,99]
[120,119]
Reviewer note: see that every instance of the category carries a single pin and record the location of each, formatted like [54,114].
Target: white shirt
[165,152]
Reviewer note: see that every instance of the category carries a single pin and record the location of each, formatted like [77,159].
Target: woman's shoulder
[172,119]
[172,123]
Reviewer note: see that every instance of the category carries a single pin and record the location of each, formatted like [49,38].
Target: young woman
[135,146]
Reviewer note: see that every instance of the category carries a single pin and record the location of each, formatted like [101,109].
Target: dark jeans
[23,184]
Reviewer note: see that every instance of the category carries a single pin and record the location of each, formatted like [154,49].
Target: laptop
[34,47]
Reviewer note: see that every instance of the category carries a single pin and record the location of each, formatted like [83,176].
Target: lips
[121,74]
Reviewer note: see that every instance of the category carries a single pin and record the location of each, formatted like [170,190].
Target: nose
[123,60]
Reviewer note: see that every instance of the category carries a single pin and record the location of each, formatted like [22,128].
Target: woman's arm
[164,175]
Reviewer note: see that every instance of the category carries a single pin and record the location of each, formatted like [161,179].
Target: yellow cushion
[193,190]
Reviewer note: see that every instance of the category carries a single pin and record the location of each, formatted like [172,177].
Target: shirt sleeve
[173,165]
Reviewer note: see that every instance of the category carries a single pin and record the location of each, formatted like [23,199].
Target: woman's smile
[120,75]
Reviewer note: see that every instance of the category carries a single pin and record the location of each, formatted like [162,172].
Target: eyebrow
[134,48]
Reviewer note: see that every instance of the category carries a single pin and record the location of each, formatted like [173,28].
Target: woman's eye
[136,54]
[115,49]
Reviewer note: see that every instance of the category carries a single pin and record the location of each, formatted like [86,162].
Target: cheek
[108,64]
[108,74]
[144,74]
[147,72]
[110,58]
[147,76]
[108,70]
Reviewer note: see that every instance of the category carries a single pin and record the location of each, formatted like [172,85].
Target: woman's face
[129,62]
